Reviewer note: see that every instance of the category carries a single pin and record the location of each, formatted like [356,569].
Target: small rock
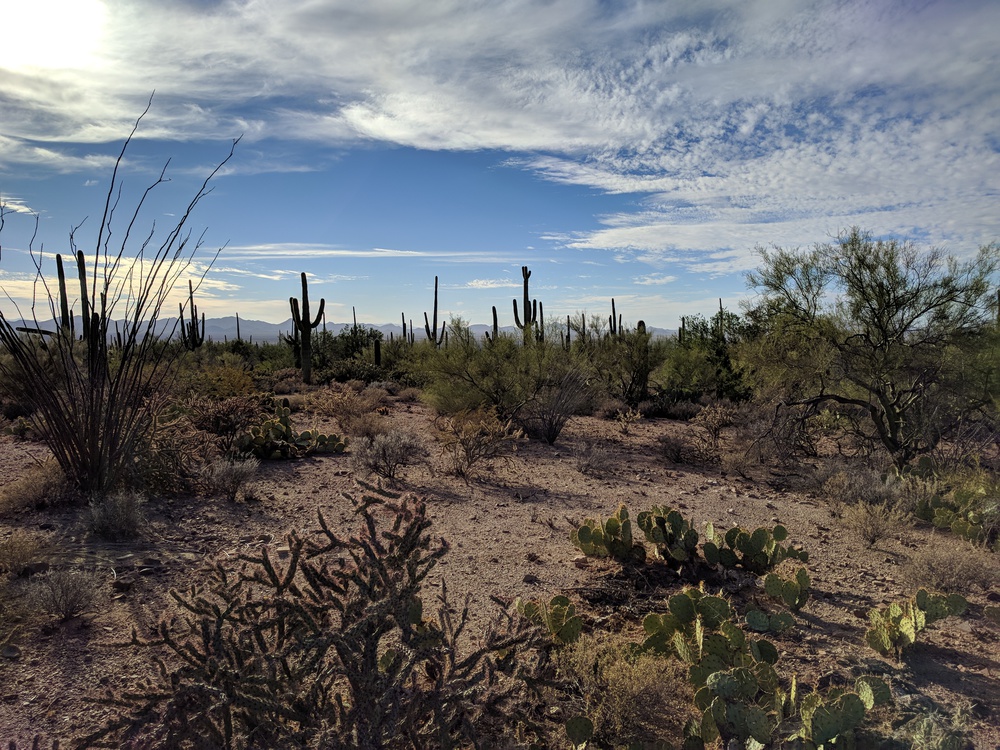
[530,578]
[12,652]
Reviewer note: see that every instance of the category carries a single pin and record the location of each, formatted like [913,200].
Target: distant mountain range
[224,329]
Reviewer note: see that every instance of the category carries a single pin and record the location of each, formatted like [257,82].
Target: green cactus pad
[682,607]
[714,610]
[764,651]
[780,622]
[711,552]
[873,691]
[773,585]
[757,620]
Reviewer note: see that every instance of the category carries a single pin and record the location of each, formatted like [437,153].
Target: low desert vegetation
[865,370]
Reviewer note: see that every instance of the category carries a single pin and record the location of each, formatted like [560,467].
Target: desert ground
[509,528]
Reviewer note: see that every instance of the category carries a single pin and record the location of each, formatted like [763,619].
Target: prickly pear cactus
[558,617]
[892,630]
[758,551]
[610,538]
[277,438]
[675,540]
[793,593]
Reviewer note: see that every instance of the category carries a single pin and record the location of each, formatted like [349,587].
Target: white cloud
[655,279]
[491,284]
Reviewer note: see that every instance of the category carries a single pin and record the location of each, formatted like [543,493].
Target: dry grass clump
[358,411]
[408,395]
[231,477]
[117,516]
[951,565]
[860,484]
[22,549]
[673,447]
[595,459]
[478,437]
[629,697]
[64,593]
[386,454]
[43,485]
[873,522]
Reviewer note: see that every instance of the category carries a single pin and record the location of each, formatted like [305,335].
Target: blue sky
[629,149]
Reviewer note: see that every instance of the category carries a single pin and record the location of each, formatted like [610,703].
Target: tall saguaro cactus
[305,327]
[431,331]
[531,311]
[191,335]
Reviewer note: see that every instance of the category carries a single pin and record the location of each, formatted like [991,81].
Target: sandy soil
[509,531]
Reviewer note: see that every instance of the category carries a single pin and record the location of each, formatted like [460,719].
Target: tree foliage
[890,336]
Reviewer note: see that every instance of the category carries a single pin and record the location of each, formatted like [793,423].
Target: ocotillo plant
[191,336]
[432,330]
[532,309]
[305,327]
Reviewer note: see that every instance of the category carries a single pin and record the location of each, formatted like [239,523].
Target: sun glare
[50,33]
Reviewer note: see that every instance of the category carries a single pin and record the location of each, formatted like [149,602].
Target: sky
[630,149]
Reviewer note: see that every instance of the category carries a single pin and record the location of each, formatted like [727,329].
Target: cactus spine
[191,336]
[304,327]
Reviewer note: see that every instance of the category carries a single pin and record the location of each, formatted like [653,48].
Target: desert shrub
[229,477]
[609,408]
[711,422]
[169,455]
[595,459]
[505,373]
[386,454]
[629,697]
[218,377]
[474,438]
[408,395]
[951,566]
[21,549]
[354,409]
[553,405]
[117,515]
[330,647]
[873,522]
[682,411]
[42,485]
[859,483]
[626,419]
[64,593]
[674,448]
[281,382]
[228,418]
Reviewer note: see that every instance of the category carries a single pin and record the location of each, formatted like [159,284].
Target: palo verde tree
[890,337]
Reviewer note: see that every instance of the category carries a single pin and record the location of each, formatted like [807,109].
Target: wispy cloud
[655,279]
[490,284]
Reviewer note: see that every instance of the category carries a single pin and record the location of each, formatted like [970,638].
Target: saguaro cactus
[496,328]
[532,309]
[304,326]
[432,330]
[191,335]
